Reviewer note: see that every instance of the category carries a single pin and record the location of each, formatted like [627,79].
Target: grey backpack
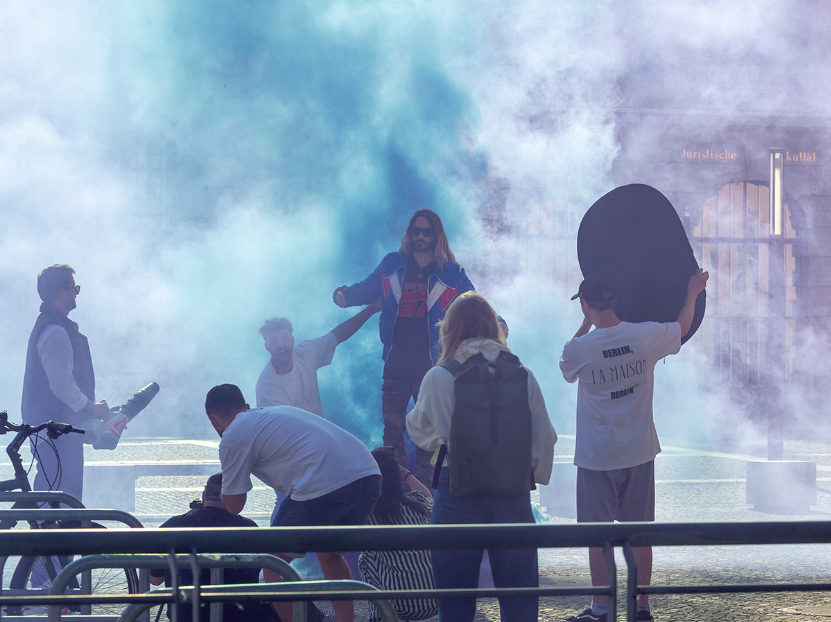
[490,429]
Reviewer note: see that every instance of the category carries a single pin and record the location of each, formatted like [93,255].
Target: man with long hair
[418,283]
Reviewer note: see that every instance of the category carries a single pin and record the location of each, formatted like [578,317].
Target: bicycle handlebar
[53,429]
[24,431]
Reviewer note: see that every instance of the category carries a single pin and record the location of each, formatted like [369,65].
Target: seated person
[212,513]
[399,570]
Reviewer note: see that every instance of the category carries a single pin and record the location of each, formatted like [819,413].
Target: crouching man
[328,475]
[213,514]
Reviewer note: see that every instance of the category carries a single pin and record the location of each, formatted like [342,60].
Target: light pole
[777,176]
[776,309]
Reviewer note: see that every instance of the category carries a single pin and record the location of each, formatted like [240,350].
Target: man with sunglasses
[59,382]
[418,283]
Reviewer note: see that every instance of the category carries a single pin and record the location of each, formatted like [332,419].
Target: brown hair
[443,252]
[469,316]
[388,508]
[275,325]
[52,279]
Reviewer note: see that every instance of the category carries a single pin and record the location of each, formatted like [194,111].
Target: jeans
[460,569]
[395,397]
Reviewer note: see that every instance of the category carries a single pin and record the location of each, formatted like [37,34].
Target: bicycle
[38,572]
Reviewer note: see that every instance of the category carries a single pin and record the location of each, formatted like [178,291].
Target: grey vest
[39,404]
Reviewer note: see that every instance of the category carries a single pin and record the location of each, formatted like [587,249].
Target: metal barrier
[431,537]
[71,514]
[310,590]
[80,514]
[41,497]
[144,562]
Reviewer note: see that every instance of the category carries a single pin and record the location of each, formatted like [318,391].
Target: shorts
[623,495]
[349,505]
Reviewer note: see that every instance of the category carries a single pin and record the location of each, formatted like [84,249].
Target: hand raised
[697,282]
[338,296]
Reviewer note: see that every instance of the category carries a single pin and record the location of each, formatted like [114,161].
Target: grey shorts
[623,495]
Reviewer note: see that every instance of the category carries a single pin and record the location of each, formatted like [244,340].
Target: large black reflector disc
[634,236]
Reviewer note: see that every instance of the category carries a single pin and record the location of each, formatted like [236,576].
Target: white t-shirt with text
[301,456]
[615,368]
[298,387]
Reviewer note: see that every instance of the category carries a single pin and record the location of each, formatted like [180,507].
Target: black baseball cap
[596,288]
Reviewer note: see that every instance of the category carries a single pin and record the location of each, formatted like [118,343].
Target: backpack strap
[493,392]
[439,463]
[453,367]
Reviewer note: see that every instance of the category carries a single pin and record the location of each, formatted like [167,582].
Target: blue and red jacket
[443,285]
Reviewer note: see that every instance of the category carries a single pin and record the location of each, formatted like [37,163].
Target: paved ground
[691,485]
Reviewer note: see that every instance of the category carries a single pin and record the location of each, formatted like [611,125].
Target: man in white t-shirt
[616,440]
[330,477]
[290,377]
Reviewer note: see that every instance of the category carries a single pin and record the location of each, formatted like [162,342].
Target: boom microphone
[105,434]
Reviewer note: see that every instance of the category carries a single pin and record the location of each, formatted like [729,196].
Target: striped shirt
[401,570]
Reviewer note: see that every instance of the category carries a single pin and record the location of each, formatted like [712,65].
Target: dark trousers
[395,397]
[460,569]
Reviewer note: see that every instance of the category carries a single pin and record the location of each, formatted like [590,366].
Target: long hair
[443,252]
[469,316]
[388,508]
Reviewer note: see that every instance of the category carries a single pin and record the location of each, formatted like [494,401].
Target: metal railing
[79,514]
[70,514]
[36,496]
[431,537]
[143,562]
[305,590]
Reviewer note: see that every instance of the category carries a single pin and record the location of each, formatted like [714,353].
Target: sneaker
[314,614]
[587,616]
[644,616]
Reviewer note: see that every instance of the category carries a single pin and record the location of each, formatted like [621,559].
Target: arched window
[751,296]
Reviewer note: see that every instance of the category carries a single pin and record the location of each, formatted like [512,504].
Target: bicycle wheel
[38,572]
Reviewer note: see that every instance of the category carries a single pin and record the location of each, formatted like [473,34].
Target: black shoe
[587,616]
[644,616]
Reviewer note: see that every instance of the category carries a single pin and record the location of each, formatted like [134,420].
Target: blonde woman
[470,327]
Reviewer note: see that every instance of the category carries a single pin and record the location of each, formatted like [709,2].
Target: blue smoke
[302,137]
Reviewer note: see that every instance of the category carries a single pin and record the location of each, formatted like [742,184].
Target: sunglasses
[427,232]
[77,289]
